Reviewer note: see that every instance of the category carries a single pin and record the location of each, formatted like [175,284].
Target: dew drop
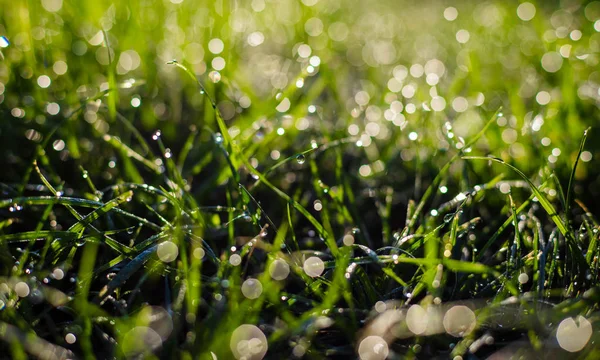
[157,134]
[301,159]
[4,42]
[218,138]
[246,216]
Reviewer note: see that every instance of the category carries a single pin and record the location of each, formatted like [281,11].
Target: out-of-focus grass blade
[34,345]
[143,143]
[130,153]
[232,151]
[112,82]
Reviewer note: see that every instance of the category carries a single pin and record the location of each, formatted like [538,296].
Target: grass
[312,179]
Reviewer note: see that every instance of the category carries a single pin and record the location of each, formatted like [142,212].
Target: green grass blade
[442,173]
[94,215]
[572,177]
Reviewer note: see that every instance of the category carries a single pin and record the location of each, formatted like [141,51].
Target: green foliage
[288,179]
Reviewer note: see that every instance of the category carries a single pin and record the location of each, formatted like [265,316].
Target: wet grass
[298,203]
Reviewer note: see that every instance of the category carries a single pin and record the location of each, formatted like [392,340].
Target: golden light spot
[313,266]
[573,334]
[248,342]
[22,289]
[167,251]
[459,321]
[373,348]
[252,288]
[417,319]
[235,259]
[279,269]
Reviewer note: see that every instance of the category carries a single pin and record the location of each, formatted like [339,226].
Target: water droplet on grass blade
[301,159]
[4,42]
[157,134]
[218,138]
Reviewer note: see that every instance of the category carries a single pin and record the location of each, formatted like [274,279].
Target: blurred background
[367,100]
[406,83]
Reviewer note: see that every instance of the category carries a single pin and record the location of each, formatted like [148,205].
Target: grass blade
[572,177]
